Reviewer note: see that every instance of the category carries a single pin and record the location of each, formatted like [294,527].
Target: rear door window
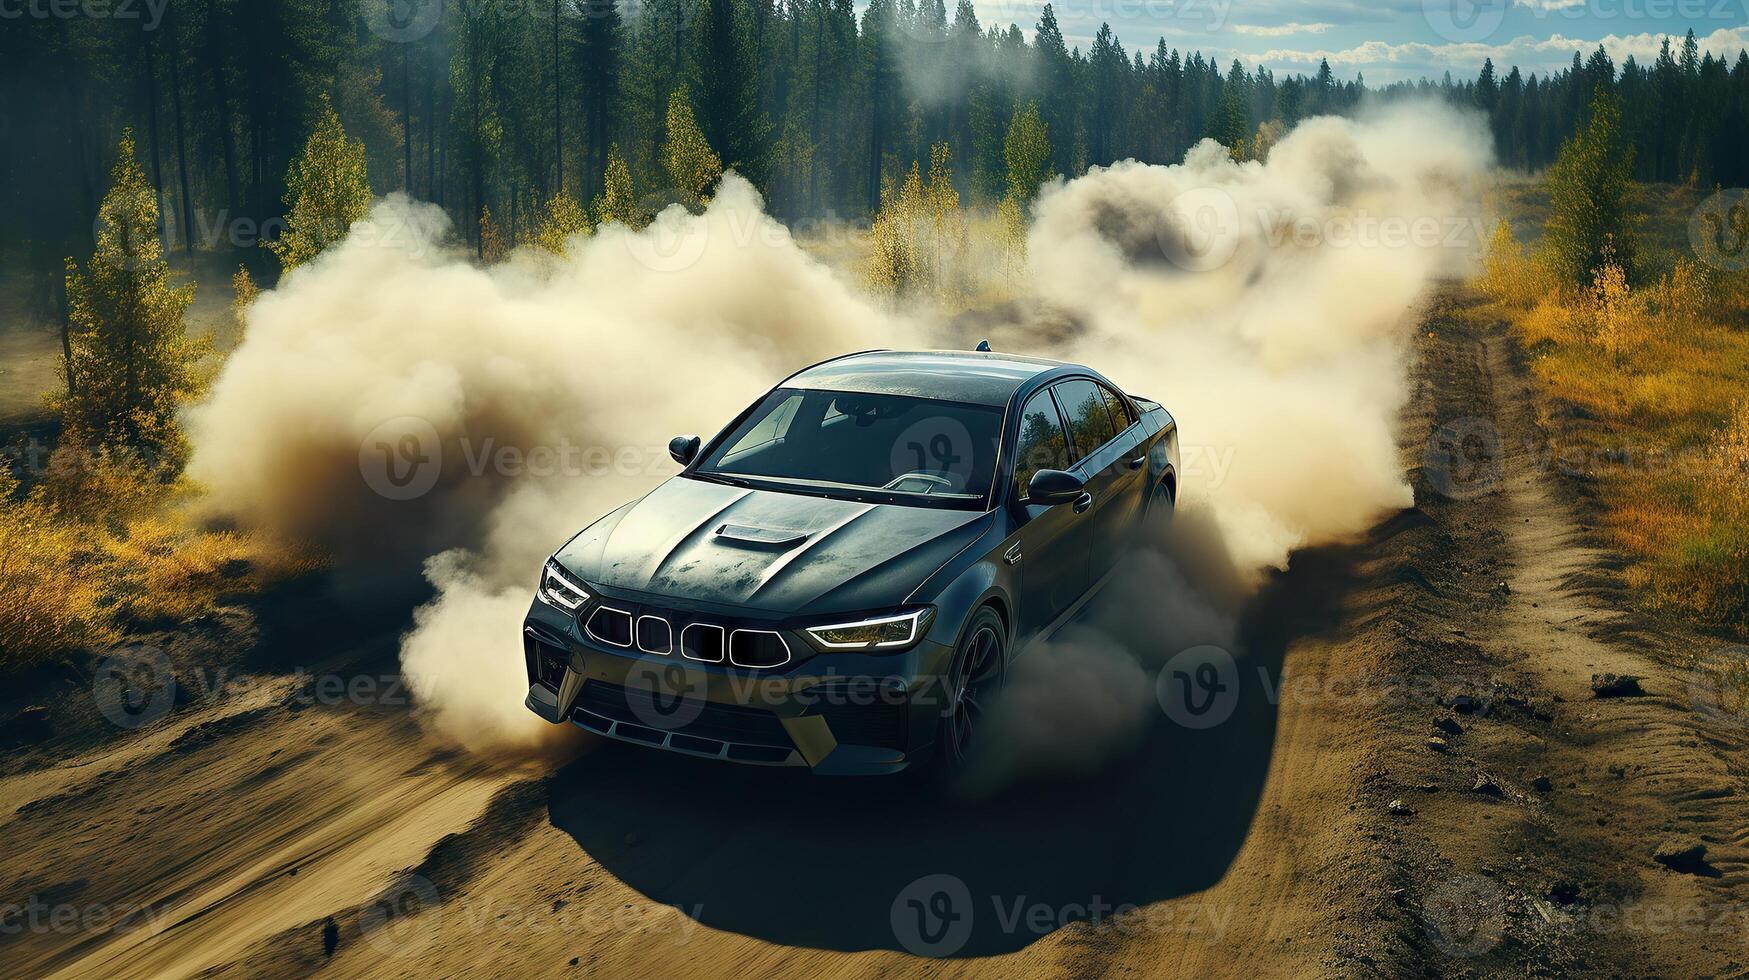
[1121,418]
[1089,420]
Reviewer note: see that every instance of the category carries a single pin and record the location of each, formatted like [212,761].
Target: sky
[1392,40]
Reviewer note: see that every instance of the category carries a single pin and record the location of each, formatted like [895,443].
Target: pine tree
[600,38]
[1027,150]
[1487,91]
[1588,221]
[328,189]
[562,220]
[129,362]
[727,83]
[1057,84]
[692,165]
[617,202]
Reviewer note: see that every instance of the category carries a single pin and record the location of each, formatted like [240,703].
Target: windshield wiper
[727,481]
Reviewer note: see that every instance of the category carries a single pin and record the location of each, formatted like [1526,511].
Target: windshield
[863,446]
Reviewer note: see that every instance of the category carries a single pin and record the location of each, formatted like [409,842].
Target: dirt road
[1319,829]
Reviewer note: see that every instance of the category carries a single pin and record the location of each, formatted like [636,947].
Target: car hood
[781,553]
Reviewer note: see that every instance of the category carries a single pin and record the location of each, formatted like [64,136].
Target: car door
[1102,460]
[1048,550]
[1130,493]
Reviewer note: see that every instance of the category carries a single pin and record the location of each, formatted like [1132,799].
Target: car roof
[977,377]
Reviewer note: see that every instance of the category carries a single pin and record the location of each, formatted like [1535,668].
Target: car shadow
[851,865]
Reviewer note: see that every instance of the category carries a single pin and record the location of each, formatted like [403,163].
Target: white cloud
[1280,30]
[1385,60]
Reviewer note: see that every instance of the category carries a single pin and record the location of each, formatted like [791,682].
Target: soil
[1416,778]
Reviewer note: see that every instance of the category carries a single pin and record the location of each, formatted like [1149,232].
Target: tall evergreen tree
[729,112]
[1589,224]
[130,363]
[691,164]
[328,190]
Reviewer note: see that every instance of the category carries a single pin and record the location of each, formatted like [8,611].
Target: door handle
[1082,503]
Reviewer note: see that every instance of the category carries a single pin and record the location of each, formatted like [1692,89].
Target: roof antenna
[983,346]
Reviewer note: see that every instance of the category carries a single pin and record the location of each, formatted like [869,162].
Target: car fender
[979,579]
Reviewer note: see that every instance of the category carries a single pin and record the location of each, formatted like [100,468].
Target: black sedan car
[842,576]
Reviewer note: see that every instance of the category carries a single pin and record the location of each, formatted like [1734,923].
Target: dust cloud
[1270,307]
[492,412]
[397,403]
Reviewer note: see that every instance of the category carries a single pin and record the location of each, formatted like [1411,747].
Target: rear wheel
[979,667]
[1158,517]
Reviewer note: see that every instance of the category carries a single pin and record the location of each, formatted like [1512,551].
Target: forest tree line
[496,105]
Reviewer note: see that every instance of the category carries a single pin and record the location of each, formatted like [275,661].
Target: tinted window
[1042,445]
[867,446]
[1120,410]
[1089,422]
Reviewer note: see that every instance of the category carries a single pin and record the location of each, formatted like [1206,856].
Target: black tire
[1157,518]
[980,665]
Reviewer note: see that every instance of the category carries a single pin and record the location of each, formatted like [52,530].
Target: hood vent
[760,537]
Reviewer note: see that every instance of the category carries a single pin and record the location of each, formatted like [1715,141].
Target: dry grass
[99,547]
[1645,391]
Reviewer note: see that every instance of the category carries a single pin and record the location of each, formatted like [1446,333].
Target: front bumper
[846,713]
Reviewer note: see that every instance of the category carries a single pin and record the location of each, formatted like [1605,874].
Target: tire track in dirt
[1268,845]
[1536,853]
[180,860]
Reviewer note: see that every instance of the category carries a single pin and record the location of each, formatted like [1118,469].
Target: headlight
[559,588]
[878,633]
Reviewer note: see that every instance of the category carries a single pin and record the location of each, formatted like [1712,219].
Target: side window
[1042,445]
[1121,418]
[1089,421]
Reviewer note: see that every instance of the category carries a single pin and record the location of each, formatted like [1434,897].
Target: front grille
[702,642]
[640,710]
[758,648]
[610,626]
[655,635]
[660,631]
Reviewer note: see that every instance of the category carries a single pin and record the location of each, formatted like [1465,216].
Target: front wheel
[979,667]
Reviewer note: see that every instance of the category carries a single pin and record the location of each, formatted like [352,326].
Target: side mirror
[683,448]
[1053,487]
